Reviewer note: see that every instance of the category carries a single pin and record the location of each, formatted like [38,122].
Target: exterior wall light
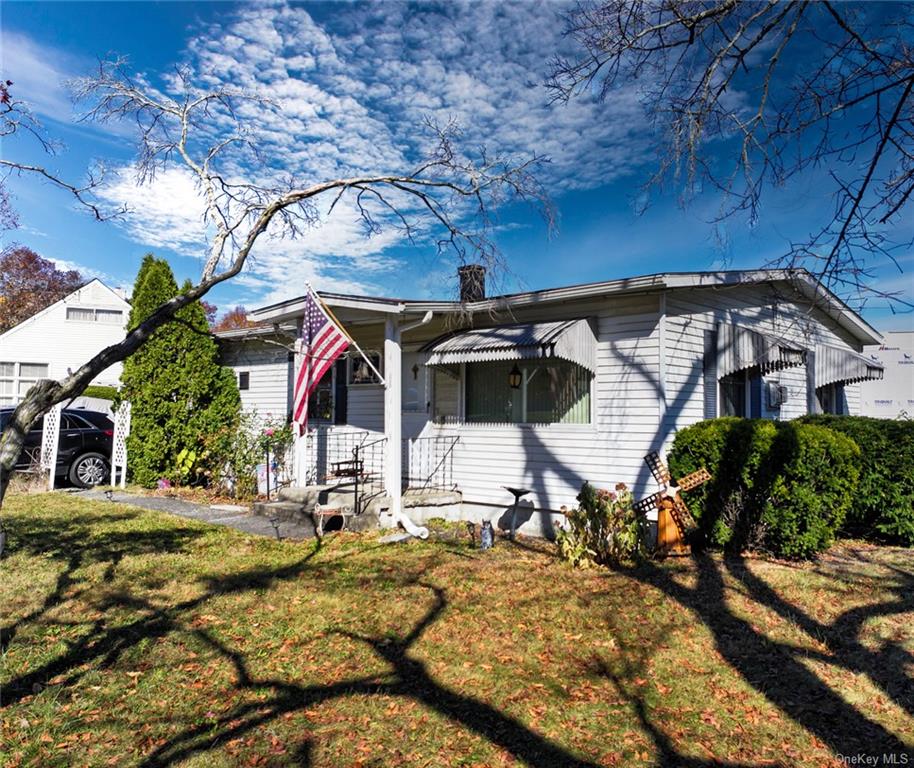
[514,378]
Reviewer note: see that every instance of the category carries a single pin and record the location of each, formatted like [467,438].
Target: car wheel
[88,470]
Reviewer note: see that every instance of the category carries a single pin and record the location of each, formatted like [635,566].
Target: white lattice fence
[119,444]
[50,440]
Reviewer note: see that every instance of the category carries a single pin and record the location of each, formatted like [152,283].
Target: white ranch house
[62,337]
[546,389]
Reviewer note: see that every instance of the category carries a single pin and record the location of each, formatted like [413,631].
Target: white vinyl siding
[554,460]
[365,407]
[269,377]
[692,319]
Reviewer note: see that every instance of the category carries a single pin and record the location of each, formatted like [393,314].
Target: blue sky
[352,83]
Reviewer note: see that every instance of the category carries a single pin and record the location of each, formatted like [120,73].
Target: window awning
[571,340]
[835,365]
[740,348]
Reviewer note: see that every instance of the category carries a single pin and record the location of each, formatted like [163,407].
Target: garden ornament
[487,535]
[674,520]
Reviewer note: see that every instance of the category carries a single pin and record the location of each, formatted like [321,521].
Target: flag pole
[355,344]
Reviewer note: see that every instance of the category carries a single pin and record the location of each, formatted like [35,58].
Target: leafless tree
[17,119]
[751,94]
[447,192]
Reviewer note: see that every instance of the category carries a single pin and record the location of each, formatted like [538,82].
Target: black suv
[84,450]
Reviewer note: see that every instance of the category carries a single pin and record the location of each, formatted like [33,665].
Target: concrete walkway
[228,515]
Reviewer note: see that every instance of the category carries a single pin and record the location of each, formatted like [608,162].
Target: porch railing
[350,459]
[329,453]
[430,463]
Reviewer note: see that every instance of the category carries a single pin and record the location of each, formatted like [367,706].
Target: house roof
[29,320]
[258,332]
[800,279]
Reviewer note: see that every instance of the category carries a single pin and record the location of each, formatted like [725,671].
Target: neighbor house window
[88,315]
[7,385]
[81,314]
[17,378]
[110,316]
[550,392]
[360,372]
[244,380]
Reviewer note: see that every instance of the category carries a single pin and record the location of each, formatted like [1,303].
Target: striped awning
[740,348]
[834,365]
[571,340]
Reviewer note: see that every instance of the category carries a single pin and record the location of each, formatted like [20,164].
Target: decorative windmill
[674,521]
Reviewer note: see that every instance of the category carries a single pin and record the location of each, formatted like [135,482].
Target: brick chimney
[472,282]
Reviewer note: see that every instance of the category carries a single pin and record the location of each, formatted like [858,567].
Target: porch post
[392,416]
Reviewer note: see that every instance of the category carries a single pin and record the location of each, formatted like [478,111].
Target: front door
[415,402]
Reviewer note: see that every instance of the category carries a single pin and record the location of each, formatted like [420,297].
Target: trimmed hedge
[784,487]
[102,393]
[883,507]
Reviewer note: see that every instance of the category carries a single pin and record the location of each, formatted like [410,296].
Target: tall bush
[178,391]
[780,486]
[883,507]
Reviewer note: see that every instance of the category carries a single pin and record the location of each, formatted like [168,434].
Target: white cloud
[352,95]
[168,212]
[38,74]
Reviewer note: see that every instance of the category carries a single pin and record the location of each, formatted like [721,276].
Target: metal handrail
[371,479]
[436,462]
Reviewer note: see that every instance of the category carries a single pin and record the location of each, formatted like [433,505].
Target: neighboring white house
[62,337]
[546,389]
[893,396]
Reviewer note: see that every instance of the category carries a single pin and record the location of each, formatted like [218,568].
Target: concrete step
[283,510]
[430,498]
[286,512]
[301,515]
[333,496]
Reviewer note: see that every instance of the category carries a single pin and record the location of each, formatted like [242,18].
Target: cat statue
[487,535]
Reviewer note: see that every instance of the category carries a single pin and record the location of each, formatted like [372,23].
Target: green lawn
[135,638]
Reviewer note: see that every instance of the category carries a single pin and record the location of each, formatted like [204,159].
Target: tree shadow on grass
[76,542]
[776,669]
[101,646]
[407,677]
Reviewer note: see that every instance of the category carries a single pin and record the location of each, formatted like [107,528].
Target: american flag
[323,341]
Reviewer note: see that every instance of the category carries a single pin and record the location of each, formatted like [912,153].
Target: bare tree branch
[749,95]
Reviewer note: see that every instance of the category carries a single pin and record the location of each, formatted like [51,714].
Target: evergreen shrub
[883,507]
[783,487]
[179,392]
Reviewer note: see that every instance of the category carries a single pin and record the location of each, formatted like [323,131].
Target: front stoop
[297,505]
